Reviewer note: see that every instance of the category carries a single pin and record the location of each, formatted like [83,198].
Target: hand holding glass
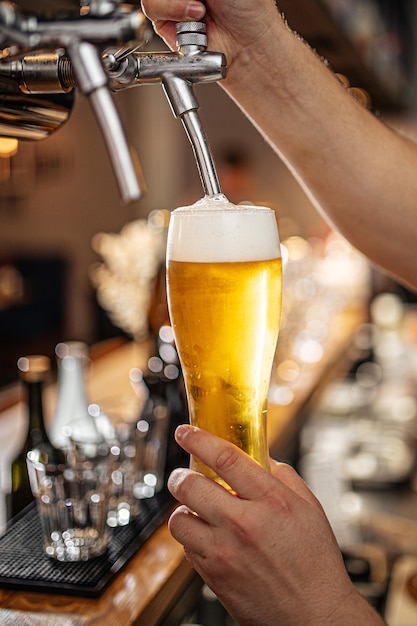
[224,287]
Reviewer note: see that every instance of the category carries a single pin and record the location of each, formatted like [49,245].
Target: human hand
[268,553]
[233,26]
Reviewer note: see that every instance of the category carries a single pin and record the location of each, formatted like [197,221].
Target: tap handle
[92,80]
[191,37]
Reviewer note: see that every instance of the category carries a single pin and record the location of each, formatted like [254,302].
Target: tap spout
[202,153]
[92,80]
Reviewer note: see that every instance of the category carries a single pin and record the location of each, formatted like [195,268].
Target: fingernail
[174,477]
[196,10]
[181,432]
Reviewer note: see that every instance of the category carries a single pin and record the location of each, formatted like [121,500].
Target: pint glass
[224,286]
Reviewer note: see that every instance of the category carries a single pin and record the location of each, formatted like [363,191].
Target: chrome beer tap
[35,62]
[191,42]
[49,51]
[178,72]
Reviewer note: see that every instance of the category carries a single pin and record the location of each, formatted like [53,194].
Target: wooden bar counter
[157,586]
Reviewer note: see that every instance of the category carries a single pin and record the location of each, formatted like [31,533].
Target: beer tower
[50,50]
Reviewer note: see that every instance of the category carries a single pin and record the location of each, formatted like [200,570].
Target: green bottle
[34,371]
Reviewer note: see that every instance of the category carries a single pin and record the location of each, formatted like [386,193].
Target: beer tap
[191,40]
[98,54]
[92,80]
[177,72]
[34,53]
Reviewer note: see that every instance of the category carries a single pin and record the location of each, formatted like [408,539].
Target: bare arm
[360,174]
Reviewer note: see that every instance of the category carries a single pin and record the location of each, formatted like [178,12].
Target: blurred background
[77,264]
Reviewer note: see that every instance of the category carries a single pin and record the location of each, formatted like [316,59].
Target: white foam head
[215,230]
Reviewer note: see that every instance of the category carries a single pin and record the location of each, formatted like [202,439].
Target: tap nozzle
[92,80]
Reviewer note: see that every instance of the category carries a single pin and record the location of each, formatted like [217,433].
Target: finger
[164,14]
[173,10]
[244,475]
[189,530]
[287,475]
[207,498]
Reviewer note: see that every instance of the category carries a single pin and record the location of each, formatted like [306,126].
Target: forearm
[357,171]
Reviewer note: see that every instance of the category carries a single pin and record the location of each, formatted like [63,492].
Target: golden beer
[225,310]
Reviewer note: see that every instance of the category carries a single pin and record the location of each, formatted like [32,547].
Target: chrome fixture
[49,52]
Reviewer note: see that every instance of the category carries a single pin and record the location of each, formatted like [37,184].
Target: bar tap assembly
[177,72]
[93,46]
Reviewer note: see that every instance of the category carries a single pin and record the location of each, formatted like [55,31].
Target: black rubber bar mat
[24,566]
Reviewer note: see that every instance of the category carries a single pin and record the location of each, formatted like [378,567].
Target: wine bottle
[33,371]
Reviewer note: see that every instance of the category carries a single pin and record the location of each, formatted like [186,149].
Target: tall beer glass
[224,295]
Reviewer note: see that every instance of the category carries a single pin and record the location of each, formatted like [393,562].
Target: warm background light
[8,147]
